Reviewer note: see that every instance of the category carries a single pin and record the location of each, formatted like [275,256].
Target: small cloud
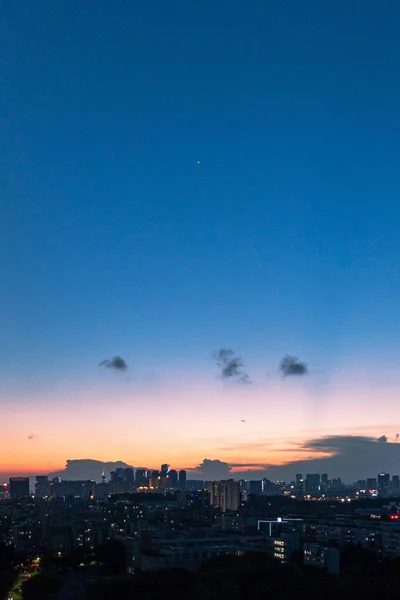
[397,437]
[117,363]
[231,366]
[31,436]
[292,366]
[383,439]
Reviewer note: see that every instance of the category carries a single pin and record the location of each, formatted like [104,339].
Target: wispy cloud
[231,366]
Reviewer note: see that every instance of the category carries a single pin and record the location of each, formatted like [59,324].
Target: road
[15,592]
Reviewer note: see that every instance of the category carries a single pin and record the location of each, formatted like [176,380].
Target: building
[42,487]
[182,480]
[372,485]
[282,547]
[395,485]
[141,478]
[384,484]
[19,487]
[312,484]
[317,556]
[256,487]
[173,479]
[224,494]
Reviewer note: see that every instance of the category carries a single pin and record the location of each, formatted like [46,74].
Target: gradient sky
[183,176]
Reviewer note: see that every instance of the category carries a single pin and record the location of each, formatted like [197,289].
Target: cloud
[117,363]
[231,366]
[87,468]
[383,438]
[346,456]
[31,436]
[292,366]
[214,469]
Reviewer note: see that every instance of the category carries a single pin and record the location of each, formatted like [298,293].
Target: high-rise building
[313,483]
[129,483]
[42,488]
[395,485]
[182,480]
[256,487]
[384,484]
[141,478]
[19,487]
[299,485]
[173,479]
[155,480]
[164,470]
[224,494]
[372,484]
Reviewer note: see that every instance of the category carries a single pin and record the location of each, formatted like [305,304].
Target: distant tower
[182,480]
[103,477]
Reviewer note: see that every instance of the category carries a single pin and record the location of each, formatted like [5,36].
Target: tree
[113,555]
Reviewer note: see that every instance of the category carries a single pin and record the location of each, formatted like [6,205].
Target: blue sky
[181,176]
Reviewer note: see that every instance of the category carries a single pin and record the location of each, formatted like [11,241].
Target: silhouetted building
[324,482]
[299,485]
[173,479]
[182,480]
[19,487]
[384,484]
[42,487]
[164,470]
[317,556]
[256,487]
[372,484]
[312,485]
[395,485]
[129,483]
[224,494]
[155,480]
[141,478]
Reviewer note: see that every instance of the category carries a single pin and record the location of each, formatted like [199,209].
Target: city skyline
[181,180]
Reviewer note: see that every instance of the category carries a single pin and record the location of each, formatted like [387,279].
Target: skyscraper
[384,484]
[129,483]
[182,480]
[395,485]
[164,470]
[224,494]
[141,478]
[42,489]
[19,487]
[173,479]
[313,482]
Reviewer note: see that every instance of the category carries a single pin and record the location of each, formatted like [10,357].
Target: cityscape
[199,300]
[164,521]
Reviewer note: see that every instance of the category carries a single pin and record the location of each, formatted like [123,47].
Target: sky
[180,177]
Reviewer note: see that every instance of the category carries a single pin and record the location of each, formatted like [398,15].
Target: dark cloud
[214,469]
[397,436]
[31,436]
[292,366]
[231,366]
[87,468]
[348,457]
[117,363]
[383,438]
